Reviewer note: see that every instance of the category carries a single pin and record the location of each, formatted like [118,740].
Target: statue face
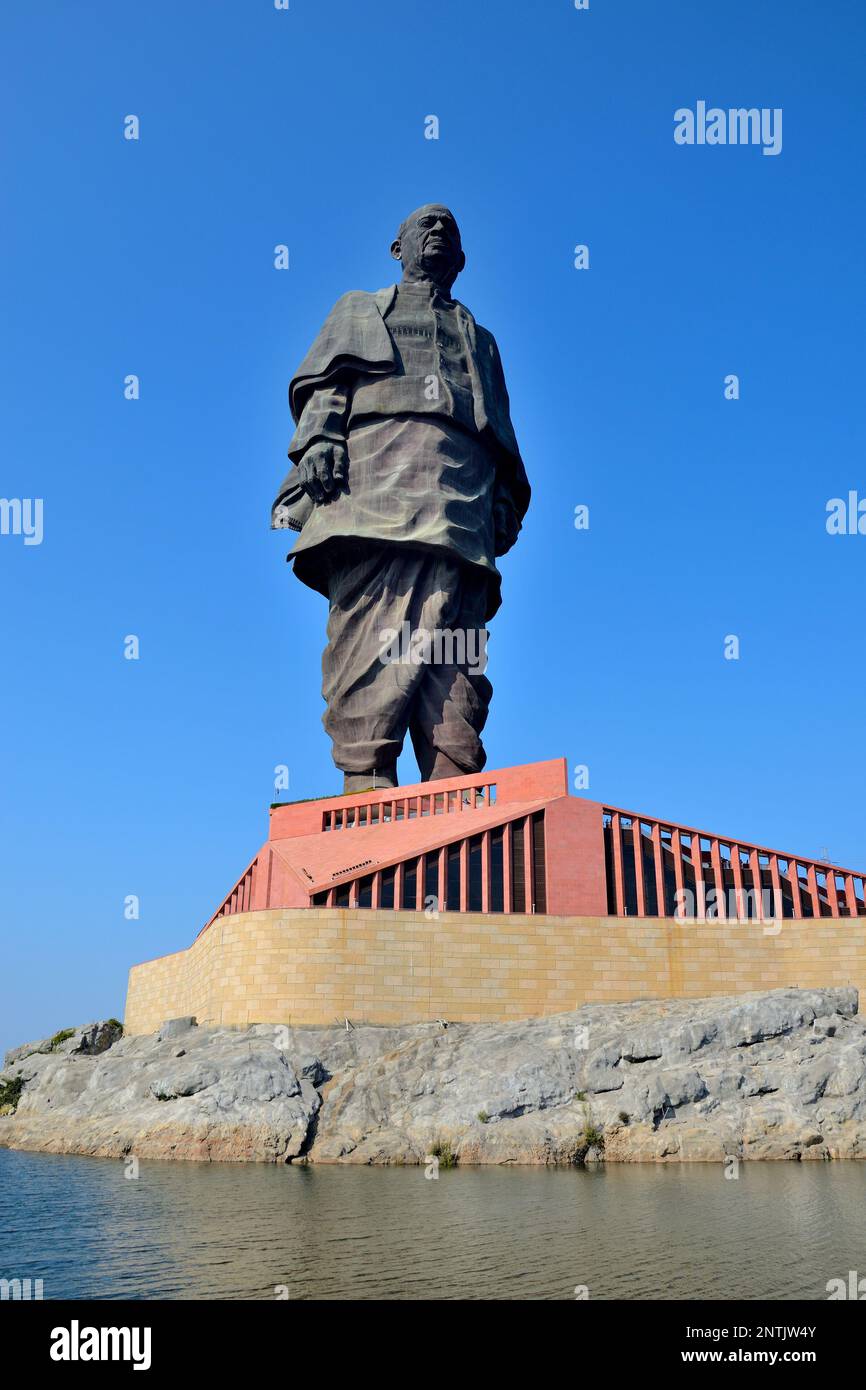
[429,246]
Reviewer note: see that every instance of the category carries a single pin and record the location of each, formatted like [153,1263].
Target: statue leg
[446,729]
[372,592]
[451,704]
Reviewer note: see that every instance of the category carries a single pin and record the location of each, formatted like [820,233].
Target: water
[191,1230]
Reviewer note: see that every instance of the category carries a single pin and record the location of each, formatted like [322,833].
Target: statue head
[428,246]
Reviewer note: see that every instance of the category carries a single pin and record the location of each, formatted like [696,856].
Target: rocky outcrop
[92,1039]
[185,1093]
[775,1075]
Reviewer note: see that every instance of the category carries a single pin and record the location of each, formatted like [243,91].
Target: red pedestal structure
[515,841]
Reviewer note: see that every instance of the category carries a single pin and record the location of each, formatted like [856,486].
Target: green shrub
[59,1038]
[580,1095]
[10,1094]
[445,1154]
[115,1023]
[623,1117]
[483,1117]
[593,1138]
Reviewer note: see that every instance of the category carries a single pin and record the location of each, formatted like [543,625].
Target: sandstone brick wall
[313,966]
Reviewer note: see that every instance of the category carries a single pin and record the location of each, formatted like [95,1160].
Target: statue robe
[422,474]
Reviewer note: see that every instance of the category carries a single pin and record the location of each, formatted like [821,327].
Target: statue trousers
[406,649]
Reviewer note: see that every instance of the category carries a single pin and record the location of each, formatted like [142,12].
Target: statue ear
[397,249]
[462,262]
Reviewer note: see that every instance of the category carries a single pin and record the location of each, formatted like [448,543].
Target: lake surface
[191,1230]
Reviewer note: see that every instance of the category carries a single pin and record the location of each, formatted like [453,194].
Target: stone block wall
[317,966]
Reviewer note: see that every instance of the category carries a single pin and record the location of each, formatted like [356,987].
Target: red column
[528,861]
[832,892]
[256,887]
[419,884]
[851,895]
[737,871]
[794,880]
[618,881]
[377,888]
[718,879]
[464,875]
[677,850]
[812,881]
[757,882]
[777,910]
[485,871]
[658,859]
[507,904]
[700,884]
[638,866]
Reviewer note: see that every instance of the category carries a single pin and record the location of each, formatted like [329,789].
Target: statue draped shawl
[354,338]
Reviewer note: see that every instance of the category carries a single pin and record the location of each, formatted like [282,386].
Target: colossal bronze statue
[406,483]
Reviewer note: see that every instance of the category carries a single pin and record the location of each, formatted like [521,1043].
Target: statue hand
[322,470]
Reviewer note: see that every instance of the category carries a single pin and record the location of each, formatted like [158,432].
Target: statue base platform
[498,896]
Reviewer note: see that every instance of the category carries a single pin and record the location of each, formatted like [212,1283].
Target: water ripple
[202,1231]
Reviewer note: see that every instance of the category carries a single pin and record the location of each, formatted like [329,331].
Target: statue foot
[440,765]
[370,781]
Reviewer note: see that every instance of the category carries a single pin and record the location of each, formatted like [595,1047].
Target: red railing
[659,869]
[395,808]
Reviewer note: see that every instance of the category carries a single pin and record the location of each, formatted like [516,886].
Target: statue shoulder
[361,302]
[354,332]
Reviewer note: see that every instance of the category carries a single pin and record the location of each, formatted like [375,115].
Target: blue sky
[707,516]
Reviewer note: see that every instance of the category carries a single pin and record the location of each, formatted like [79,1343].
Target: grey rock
[18,1054]
[89,1040]
[696,1079]
[229,1096]
[175,1028]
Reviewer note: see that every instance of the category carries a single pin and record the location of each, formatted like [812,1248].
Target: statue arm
[323,419]
[318,456]
[512,492]
[506,517]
